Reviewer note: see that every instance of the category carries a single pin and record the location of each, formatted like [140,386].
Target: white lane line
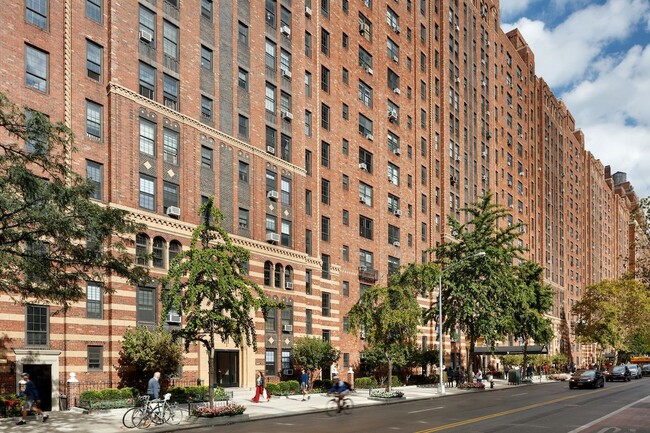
[424,410]
[586,426]
[515,395]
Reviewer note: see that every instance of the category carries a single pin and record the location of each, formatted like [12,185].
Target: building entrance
[227,364]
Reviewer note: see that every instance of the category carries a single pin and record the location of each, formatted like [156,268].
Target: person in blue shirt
[32,399]
[340,389]
[304,385]
[153,388]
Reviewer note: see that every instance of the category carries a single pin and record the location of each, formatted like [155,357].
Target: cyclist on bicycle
[340,389]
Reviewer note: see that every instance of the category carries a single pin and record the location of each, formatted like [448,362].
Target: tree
[145,351]
[477,293]
[53,237]
[532,300]
[390,317]
[206,285]
[313,354]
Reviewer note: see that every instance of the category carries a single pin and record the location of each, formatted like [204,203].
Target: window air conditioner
[484,153]
[287,115]
[145,36]
[396,244]
[397,29]
[173,317]
[308,11]
[287,328]
[458,80]
[521,173]
[397,151]
[363,166]
[272,237]
[396,90]
[484,177]
[392,114]
[287,372]
[369,70]
[396,59]
[370,137]
[273,195]
[285,30]
[288,285]
[270,149]
[363,200]
[174,211]
[286,73]
[397,212]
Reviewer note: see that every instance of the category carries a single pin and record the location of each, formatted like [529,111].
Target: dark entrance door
[228,368]
[41,375]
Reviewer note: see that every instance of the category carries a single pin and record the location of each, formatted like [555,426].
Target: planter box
[217,420]
[387,399]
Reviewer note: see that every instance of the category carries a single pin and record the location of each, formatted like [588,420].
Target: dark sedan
[620,372]
[588,378]
[645,369]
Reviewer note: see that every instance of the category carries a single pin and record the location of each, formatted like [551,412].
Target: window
[206,157]
[94,173]
[307,123]
[308,162]
[242,35]
[324,41]
[269,102]
[365,227]
[94,10]
[206,9]
[365,59]
[325,191]
[158,252]
[325,304]
[345,40]
[243,218]
[345,146]
[308,321]
[325,116]
[36,13]
[326,333]
[393,203]
[242,79]
[147,76]
[393,234]
[345,76]
[93,120]
[285,191]
[270,362]
[365,126]
[271,140]
[170,195]
[243,172]
[242,126]
[285,233]
[285,63]
[147,24]
[308,251]
[170,92]
[325,154]
[94,295]
[393,142]
[170,146]
[365,27]
[174,249]
[393,173]
[325,79]
[392,19]
[307,44]
[94,54]
[146,305]
[346,323]
[392,50]
[325,7]
[271,224]
[147,137]
[393,79]
[271,7]
[365,194]
[170,40]
[95,357]
[346,182]
[141,249]
[325,270]
[365,93]
[36,68]
[366,260]
[324,228]
[308,84]
[270,55]
[147,192]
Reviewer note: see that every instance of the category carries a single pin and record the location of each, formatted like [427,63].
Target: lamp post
[441,388]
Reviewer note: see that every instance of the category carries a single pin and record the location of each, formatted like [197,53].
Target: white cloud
[512,7]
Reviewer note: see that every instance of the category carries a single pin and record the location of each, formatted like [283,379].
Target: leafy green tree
[477,290]
[532,299]
[207,285]
[145,351]
[390,317]
[53,237]
[312,353]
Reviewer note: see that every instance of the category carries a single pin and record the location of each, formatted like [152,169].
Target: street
[617,408]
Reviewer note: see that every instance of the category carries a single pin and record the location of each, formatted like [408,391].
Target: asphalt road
[550,408]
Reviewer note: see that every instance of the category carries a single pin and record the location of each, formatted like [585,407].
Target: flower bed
[10,405]
[228,410]
[559,376]
[380,393]
[472,385]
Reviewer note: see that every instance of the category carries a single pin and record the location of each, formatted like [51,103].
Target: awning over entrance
[511,350]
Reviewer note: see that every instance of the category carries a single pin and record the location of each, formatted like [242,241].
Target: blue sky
[595,55]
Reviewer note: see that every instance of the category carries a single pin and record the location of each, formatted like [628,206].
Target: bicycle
[127,419]
[333,408]
[157,412]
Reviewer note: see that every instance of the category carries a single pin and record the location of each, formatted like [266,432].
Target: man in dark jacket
[32,399]
[153,389]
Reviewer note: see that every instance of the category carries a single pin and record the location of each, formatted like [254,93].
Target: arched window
[158,252]
[268,270]
[278,275]
[175,247]
[141,249]
[288,278]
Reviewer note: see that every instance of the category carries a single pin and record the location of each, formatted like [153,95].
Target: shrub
[365,382]
[395,381]
[200,393]
[294,386]
[128,392]
[10,405]
[110,394]
[272,388]
[90,395]
[283,387]
[229,410]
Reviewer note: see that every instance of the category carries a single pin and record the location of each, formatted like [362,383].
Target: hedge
[365,382]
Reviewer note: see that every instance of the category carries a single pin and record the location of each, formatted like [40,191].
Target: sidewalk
[110,421]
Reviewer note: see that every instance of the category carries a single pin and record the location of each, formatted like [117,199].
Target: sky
[595,55]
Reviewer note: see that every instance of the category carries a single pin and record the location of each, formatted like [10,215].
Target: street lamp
[441,388]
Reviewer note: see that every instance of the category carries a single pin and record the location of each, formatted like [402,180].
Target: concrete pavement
[110,421]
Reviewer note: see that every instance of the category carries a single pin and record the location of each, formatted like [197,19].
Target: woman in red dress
[260,385]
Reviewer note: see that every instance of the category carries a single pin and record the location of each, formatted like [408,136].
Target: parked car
[635,371]
[619,372]
[645,370]
[588,378]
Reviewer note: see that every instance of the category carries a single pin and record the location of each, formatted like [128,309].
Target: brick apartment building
[165,99]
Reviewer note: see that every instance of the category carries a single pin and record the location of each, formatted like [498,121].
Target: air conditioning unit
[272,195]
[288,285]
[483,61]
[363,166]
[396,244]
[308,11]
[396,59]
[287,328]
[285,30]
[397,151]
[457,28]
[287,372]
[488,135]
[521,173]
[270,149]
[397,212]
[484,177]
[286,73]
[145,36]
[272,237]
[287,115]
[369,70]
[174,211]
[173,317]
[484,83]
[397,29]
[458,80]
[362,199]
[370,137]
[396,90]
[457,158]
[392,114]
[509,183]
[484,153]
[487,113]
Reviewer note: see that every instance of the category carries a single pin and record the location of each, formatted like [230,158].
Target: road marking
[515,395]
[503,413]
[424,410]
[586,426]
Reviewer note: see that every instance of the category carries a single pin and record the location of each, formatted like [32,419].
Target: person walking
[32,400]
[479,375]
[304,385]
[450,376]
[153,388]
[260,388]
